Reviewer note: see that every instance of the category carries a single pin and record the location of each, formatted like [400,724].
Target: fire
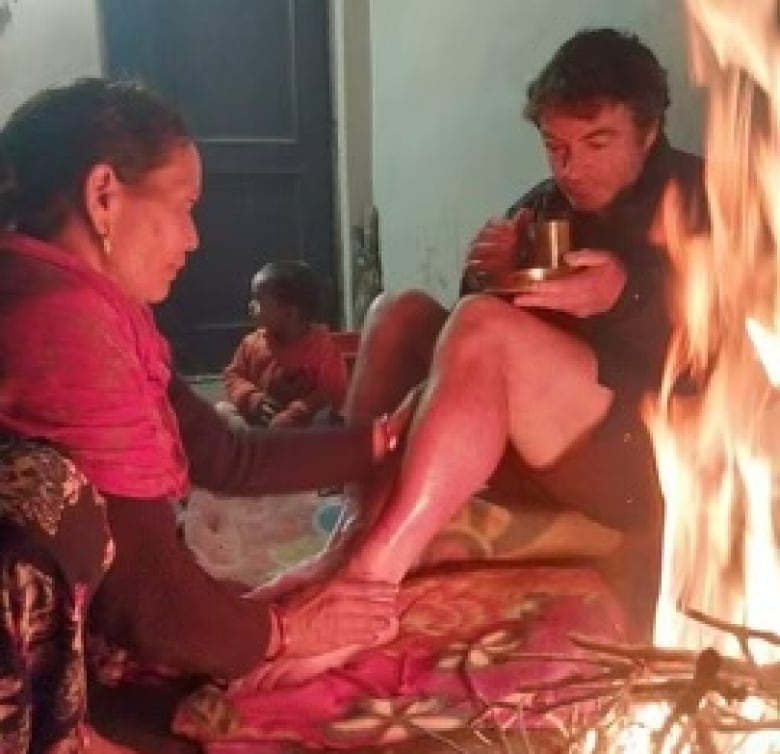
[715,448]
[711,683]
[718,446]
[767,345]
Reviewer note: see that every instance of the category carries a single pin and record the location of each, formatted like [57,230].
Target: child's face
[267,311]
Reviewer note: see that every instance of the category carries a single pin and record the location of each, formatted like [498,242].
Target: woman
[54,549]
[98,181]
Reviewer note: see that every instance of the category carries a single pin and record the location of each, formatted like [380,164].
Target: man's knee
[406,316]
[489,321]
[405,307]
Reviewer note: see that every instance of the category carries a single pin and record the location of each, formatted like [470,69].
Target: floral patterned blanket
[479,649]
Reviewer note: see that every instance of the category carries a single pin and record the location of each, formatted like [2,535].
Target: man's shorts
[609,475]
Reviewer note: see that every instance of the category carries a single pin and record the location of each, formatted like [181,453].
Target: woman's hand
[599,280]
[390,429]
[344,612]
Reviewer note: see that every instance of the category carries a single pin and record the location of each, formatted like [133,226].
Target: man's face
[596,153]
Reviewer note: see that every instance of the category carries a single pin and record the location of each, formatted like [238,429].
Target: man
[559,371]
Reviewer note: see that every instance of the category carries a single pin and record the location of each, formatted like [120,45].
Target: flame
[717,446]
[767,345]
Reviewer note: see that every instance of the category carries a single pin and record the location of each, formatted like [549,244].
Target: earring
[105,241]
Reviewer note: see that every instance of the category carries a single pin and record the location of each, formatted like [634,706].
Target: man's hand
[595,287]
[342,613]
[494,250]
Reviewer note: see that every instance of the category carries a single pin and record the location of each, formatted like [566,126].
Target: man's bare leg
[396,348]
[395,353]
[498,373]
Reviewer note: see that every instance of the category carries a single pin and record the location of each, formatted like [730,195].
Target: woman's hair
[598,65]
[290,282]
[52,141]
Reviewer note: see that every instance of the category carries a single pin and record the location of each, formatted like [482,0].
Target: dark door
[252,79]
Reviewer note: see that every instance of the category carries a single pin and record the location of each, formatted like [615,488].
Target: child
[288,369]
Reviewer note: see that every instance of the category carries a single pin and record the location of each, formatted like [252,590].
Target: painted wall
[45,42]
[450,147]
[351,78]
[431,128]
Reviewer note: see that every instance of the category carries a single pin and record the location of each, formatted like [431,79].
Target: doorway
[253,81]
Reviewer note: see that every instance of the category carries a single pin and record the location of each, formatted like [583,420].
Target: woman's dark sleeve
[261,461]
[157,602]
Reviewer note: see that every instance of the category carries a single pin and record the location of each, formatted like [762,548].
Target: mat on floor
[466,660]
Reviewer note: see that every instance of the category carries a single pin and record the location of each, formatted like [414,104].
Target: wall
[351,75]
[431,106]
[46,42]
[450,147]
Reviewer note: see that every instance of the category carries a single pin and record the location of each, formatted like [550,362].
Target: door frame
[351,98]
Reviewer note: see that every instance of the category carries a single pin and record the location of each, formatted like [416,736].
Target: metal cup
[550,240]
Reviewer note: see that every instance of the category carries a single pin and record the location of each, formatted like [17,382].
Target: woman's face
[153,230]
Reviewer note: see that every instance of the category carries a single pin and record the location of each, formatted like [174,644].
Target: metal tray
[519,280]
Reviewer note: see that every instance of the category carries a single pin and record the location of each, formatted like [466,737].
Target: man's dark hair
[291,282]
[601,65]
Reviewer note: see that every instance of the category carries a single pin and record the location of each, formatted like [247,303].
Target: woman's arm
[256,462]
[156,601]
